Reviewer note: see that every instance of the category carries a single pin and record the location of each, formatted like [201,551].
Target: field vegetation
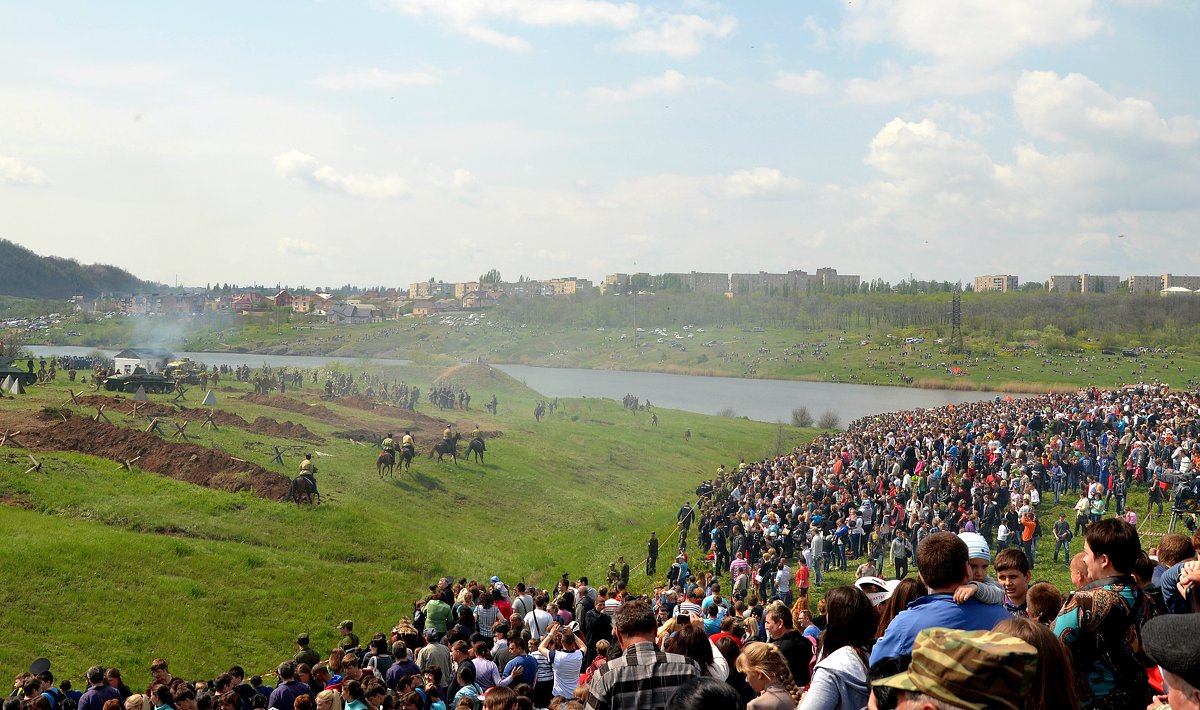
[123,565]
[1011,342]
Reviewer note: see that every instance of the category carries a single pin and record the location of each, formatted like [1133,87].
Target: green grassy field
[114,566]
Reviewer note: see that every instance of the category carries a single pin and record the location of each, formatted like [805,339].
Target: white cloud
[117,76]
[671,82]
[967,41]
[758,182]
[819,33]
[649,31]
[898,84]
[14,172]
[976,31]
[538,13]
[463,180]
[922,153]
[809,82]
[1074,108]
[305,168]
[297,247]
[373,78]
[473,17]
[677,35]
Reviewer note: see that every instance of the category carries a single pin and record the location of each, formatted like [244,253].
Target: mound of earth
[125,404]
[358,402]
[316,411]
[191,463]
[262,425]
[290,430]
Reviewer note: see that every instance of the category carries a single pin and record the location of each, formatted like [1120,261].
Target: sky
[389,141]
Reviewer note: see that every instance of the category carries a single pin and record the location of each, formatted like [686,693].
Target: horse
[447,447]
[385,462]
[302,487]
[406,457]
[476,447]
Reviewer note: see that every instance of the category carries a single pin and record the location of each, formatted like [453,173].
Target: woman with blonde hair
[329,700]
[767,671]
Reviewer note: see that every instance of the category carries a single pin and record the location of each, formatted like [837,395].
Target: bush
[727,412]
[829,420]
[802,418]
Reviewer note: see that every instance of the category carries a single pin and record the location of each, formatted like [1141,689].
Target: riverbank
[793,354]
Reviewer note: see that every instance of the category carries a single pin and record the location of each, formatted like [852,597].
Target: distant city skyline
[388,141]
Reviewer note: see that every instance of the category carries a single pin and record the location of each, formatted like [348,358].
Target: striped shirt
[485,616]
[644,678]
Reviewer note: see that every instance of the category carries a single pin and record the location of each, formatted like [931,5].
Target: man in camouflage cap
[973,670]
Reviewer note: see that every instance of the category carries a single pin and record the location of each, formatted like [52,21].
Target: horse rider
[446,433]
[389,446]
[406,442]
[308,471]
[476,434]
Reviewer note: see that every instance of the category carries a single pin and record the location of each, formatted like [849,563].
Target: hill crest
[25,274]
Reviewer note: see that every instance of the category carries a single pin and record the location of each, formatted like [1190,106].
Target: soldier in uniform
[309,471]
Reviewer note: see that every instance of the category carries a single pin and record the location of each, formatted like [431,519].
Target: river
[762,400]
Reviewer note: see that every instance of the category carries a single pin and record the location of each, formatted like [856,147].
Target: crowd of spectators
[948,500]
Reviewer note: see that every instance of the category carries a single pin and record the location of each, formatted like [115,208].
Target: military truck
[130,382]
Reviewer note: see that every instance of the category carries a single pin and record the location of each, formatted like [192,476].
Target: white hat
[878,590]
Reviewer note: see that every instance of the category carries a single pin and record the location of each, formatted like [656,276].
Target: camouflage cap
[982,670]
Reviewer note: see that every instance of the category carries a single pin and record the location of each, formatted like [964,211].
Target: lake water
[762,400]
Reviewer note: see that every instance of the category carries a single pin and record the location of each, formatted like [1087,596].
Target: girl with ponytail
[767,671]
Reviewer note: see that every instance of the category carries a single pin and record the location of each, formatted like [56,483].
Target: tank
[139,378]
[184,370]
[9,367]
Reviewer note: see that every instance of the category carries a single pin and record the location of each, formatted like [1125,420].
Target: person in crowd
[798,651]
[942,560]
[1101,622]
[706,694]
[952,669]
[768,672]
[1173,642]
[642,678]
[839,680]
[1048,691]
[98,692]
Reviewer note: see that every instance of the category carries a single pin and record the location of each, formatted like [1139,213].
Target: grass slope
[120,566]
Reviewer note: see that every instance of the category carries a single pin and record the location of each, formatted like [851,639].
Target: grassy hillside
[120,566]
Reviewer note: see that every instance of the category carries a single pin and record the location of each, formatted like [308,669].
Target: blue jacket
[935,610]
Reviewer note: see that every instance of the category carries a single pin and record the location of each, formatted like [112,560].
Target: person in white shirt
[783,582]
[538,621]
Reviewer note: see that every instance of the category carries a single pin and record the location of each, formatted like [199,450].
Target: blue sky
[385,142]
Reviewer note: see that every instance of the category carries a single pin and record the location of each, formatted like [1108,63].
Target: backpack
[62,701]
